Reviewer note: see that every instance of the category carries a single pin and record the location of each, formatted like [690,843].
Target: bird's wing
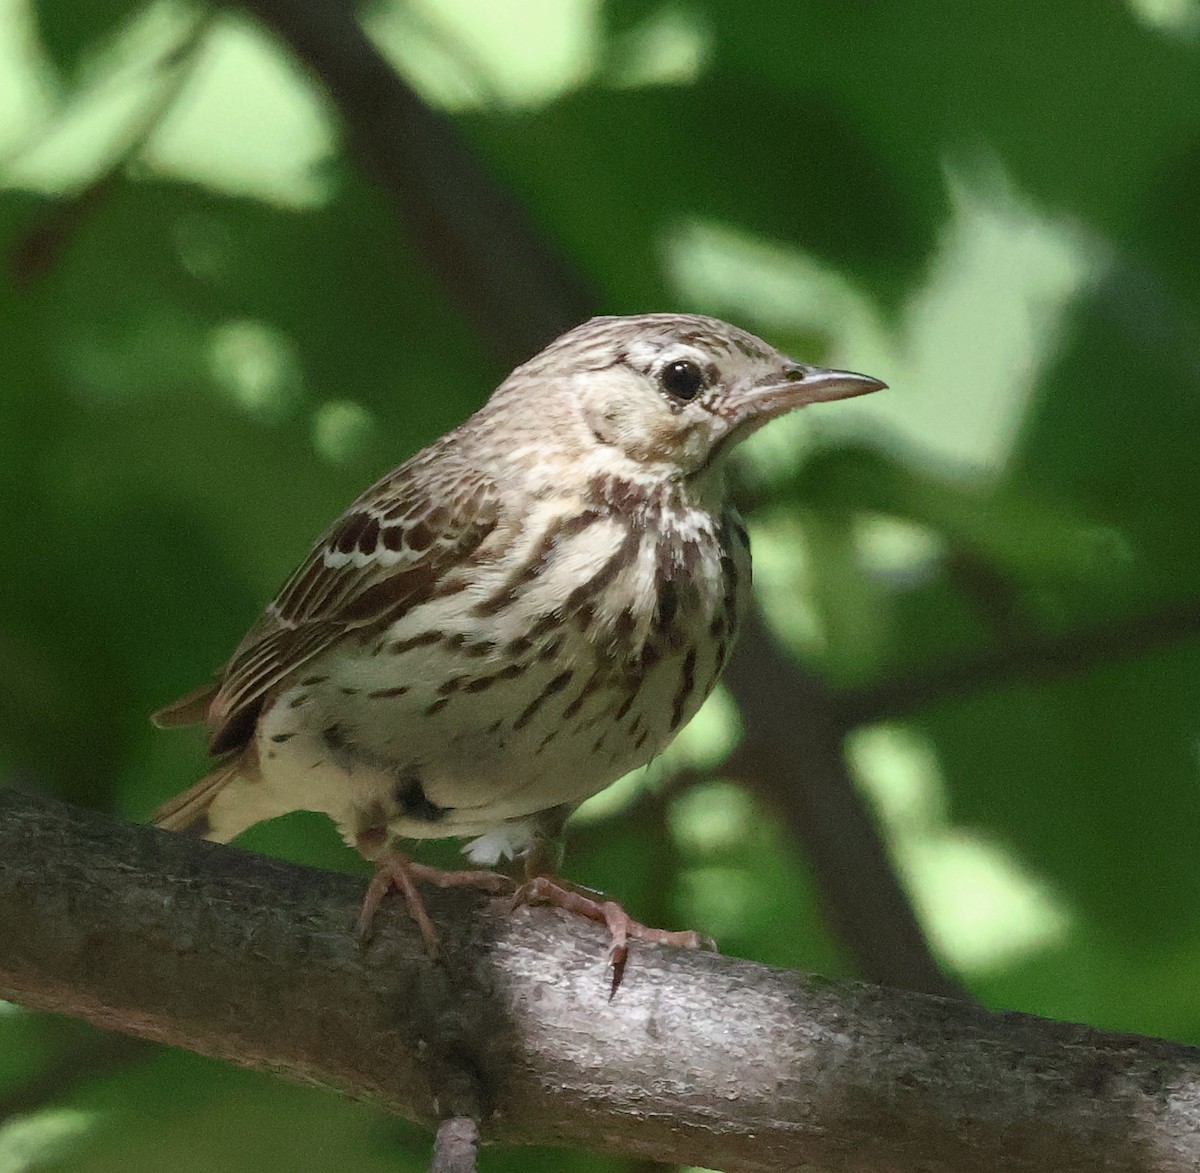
[395,547]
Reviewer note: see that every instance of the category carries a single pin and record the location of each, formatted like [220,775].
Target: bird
[511,620]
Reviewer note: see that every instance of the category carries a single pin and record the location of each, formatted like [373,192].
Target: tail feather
[189,811]
[187,710]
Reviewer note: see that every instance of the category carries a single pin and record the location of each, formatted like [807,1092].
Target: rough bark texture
[699,1059]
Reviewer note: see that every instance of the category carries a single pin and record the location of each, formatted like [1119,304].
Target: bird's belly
[456,761]
[488,756]
[455,722]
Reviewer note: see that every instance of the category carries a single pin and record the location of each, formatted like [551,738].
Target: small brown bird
[523,612]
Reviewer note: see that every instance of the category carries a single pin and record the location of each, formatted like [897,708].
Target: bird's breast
[570,660]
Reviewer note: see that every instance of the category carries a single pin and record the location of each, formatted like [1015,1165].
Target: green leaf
[71,31]
[613,172]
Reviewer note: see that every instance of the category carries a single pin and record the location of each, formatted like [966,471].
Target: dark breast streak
[689,615]
[689,630]
[596,659]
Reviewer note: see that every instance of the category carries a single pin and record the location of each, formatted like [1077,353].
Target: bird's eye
[682,379]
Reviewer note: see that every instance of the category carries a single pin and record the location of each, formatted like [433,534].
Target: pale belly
[467,719]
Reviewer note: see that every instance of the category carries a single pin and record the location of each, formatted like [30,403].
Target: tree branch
[794,756]
[1044,657]
[503,274]
[699,1059]
[455,1146]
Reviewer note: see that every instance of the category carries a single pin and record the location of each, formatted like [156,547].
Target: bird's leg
[543,887]
[396,870]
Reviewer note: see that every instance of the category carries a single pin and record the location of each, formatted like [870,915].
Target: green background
[216,331]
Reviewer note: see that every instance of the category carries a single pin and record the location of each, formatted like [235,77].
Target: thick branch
[699,1059]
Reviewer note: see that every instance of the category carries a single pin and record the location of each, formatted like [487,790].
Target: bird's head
[671,393]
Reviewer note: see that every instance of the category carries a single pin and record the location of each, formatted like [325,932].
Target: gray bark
[699,1059]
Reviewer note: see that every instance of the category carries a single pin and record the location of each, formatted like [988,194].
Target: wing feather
[386,554]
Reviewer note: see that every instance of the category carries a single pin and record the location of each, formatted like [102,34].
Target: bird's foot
[397,871]
[597,907]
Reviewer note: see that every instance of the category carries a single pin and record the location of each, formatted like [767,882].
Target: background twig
[794,757]
[1048,657]
[500,271]
[456,1146]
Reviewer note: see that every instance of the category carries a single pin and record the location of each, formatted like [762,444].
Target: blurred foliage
[198,373]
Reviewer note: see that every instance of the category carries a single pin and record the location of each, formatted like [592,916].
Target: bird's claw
[397,871]
[596,907]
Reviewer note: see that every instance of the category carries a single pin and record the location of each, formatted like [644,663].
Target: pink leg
[597,907]
[398,871]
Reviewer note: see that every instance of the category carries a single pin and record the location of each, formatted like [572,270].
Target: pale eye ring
[682,379]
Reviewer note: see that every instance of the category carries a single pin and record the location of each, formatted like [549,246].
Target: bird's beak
[800,386]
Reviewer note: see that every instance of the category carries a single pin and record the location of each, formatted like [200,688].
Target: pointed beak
[792,385]
[821,384]
[800,386]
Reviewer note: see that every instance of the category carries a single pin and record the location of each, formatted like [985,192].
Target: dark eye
[682,379]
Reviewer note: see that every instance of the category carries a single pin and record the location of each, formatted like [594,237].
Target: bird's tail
[187,710]
[189,811]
